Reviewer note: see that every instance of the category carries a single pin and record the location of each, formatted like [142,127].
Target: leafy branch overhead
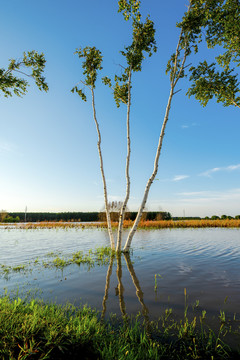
[91,64]
[208,82]
[10,83]
[129,8]
[218,22]
[143,41]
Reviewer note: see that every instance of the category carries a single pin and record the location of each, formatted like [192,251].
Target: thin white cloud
[233,167]
[111,197]
[208,173]
[184,126]
[114,198]
[193,193]
[95,183]
[7,147]
[180,177]
[206,196]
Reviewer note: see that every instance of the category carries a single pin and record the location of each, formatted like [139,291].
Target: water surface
[204,261]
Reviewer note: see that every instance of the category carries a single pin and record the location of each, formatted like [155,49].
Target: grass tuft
[35,330]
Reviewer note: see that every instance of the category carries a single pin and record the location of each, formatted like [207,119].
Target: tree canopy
[218,23]
[13,78]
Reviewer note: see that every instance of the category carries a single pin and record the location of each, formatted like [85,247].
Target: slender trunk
[124,205]
[103,176]
[174,76]
[152,177]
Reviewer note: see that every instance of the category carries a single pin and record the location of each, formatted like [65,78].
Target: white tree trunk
[124,205]
[103,176]
[151,179]
[174,80]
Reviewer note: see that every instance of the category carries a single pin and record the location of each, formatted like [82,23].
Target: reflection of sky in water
[183,269]
[205,261]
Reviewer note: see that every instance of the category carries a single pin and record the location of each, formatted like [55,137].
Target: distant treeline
[98,216]
[64,216]
[86,216]
[131,215]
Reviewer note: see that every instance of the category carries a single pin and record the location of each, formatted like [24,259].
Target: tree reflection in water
[109,273]
[120,288]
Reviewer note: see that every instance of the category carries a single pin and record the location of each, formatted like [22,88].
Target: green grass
[35,330]
[97,257]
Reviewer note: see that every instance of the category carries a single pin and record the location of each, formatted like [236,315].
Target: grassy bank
[34,330]
[149,224]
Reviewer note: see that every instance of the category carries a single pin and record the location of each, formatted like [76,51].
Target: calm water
[204,261]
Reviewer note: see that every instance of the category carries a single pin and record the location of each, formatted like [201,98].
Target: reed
[147,224]
[171,224]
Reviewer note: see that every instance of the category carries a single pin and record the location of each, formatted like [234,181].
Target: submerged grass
[97,257]
[35,330]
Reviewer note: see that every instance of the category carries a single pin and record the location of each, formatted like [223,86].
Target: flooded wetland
[165,267]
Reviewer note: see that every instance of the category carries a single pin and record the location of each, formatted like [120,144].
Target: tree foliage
[208,82]
[218,23]
[10,80]
[92,62]
[143,43]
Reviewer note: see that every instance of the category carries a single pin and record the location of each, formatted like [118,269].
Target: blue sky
[48,150]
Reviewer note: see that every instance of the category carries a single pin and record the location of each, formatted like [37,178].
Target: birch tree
[217,23]
[91,64]
[175,69]
[143,41]
[13,79]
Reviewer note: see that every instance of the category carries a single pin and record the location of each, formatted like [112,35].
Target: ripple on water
[205,261]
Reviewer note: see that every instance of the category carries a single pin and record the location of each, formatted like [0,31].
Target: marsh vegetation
[177,291]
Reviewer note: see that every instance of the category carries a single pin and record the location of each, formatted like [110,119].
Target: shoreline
[148,224]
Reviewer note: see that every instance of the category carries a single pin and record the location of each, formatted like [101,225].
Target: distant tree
[114,208]
[215,217]
[6,218]
[10,219]
[144,216]
[224,217]
[163,215]
[3,215]
[218,23]
[13,78]
[237,217]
